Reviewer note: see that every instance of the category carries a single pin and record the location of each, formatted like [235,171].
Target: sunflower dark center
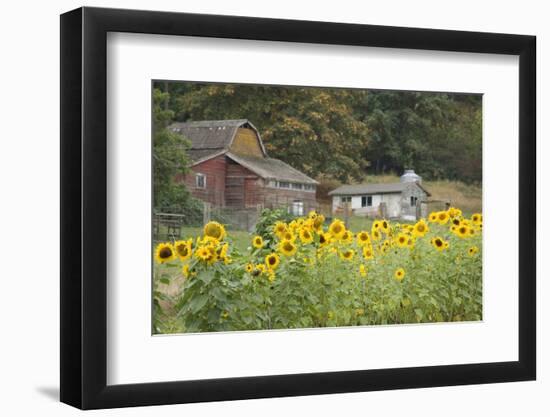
[182,250]
[213,230]
[165,253]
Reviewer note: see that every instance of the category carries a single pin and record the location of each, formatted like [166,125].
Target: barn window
[309,187]
[346,199]
[284,184]
[298,207]
[366,201]
[296,186]
[200,181]
[413,201]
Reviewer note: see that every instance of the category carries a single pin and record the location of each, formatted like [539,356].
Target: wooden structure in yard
[231,169]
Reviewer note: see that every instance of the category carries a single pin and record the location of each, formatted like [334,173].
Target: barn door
[234,192]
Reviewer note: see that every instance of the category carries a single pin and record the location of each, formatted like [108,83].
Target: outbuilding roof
[365,189]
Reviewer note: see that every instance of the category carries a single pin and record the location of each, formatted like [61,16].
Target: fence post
[383,208]
[206,212]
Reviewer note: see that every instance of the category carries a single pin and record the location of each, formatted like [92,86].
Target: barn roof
[270,168]
[209,137]
[389,188]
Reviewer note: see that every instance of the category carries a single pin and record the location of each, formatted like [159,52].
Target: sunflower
[272,261]
[399,274]
[312,214]
[432,218]
[385,226]
[376,225]
[292,226]
[318,222]
[286,247]
[363,238]
[407,228]
[324,238]
[367,252]
[362,270]
[207,240]
[438,243]
[456,221]
[402,240]
[420,228]
[307,224]
[347,255]
[212,254]
[477,218]
[164,253]
[462,231]
[376,234]
[442,217]
[183,249]
[306,236]
[258,242]
[337,229]
[271,275]
[473,250]
[222,251]
[288,235]
[249,267]
[214,230]
[185,270]
[279,228]
[203,253]
[454,212]
[347,237]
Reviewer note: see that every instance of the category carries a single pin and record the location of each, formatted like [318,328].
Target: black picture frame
[84,207]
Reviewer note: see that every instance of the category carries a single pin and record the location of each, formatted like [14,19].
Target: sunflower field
[306,273]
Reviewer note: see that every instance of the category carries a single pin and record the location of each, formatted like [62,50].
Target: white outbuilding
[400,200]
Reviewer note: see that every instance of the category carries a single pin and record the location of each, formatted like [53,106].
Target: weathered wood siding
[215,171]
[280,197]
[246,142]
[243,188]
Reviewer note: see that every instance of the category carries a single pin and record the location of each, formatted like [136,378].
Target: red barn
[231,168]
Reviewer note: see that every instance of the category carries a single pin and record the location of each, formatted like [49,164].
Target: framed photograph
[257,208]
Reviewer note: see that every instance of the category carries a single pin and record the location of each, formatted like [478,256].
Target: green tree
[169,159]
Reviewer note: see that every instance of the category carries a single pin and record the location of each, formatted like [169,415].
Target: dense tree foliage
[345,134]
[169,160]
